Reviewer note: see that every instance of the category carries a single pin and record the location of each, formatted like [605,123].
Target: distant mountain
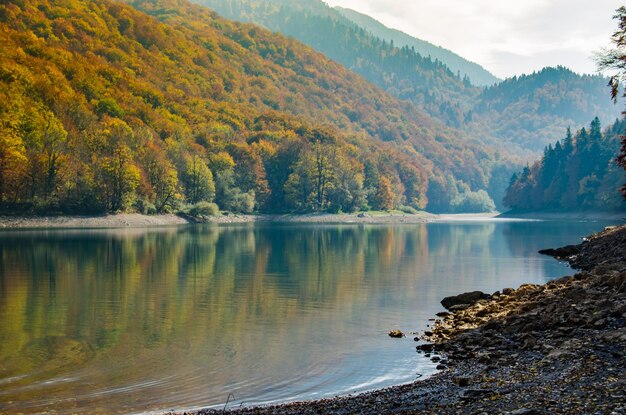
[532,111]
[477,74]
[155,104]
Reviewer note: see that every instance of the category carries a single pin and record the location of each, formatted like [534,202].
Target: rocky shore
[558,348]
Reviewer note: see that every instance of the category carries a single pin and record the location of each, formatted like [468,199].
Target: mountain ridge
[477,74]
[522,129]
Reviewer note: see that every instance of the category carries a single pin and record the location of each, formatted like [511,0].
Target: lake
[136,320]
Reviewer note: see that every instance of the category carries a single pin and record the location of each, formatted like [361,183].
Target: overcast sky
[508,37]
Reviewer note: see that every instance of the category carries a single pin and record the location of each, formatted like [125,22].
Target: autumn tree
[198,180]
[117,174]
[162,177]
[300,185]
[615,61]
[384,198]
[347,193]
[227,195]
[119,178]
[12,150]
[107,107]
[249,173]
[45,136]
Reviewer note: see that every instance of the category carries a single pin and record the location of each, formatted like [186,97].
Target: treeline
[462,67]
[113,165]
[104,108]
[577,173]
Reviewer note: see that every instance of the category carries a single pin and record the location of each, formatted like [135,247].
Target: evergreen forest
[579,172]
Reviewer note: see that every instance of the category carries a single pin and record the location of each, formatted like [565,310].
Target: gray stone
[470,394]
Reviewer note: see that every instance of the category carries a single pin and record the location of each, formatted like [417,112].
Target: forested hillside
[579,172]
[532,109]
[108,107]
[401,71]
[521,114]
[477,74]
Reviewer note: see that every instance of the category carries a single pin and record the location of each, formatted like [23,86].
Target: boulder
[465,298]
[562,253]
[425,347]
[396,334]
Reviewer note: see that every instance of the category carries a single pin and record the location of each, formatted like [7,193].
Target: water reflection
[129,320]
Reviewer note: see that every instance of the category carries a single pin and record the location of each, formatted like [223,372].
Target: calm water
[126,321]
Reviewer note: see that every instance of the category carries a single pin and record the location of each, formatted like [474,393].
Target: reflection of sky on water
[126,321]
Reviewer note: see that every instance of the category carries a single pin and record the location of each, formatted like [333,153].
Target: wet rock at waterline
[462,301]
[562,253]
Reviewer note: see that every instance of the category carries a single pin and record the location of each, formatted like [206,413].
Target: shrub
[473,202]
[204,209]
[243,202]
[109,106]
[408,209]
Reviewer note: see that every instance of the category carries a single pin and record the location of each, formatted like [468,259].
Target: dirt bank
[558,348]
[137,221]
[107,221]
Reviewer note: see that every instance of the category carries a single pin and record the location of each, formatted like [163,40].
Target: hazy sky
[508,37]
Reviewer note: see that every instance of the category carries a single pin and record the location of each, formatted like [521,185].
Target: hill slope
[403,72]
[164,103]
[532,110]
[477,75]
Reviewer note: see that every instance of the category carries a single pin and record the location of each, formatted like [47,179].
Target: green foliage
[203,209]
[145,207]
[615,61]
[473,202]
[531,111]
[243,202]
[577,173]
[408,209]
[109,107]
[198,181]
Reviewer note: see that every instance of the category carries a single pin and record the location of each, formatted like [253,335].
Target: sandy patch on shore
[108,221]
[135,220]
